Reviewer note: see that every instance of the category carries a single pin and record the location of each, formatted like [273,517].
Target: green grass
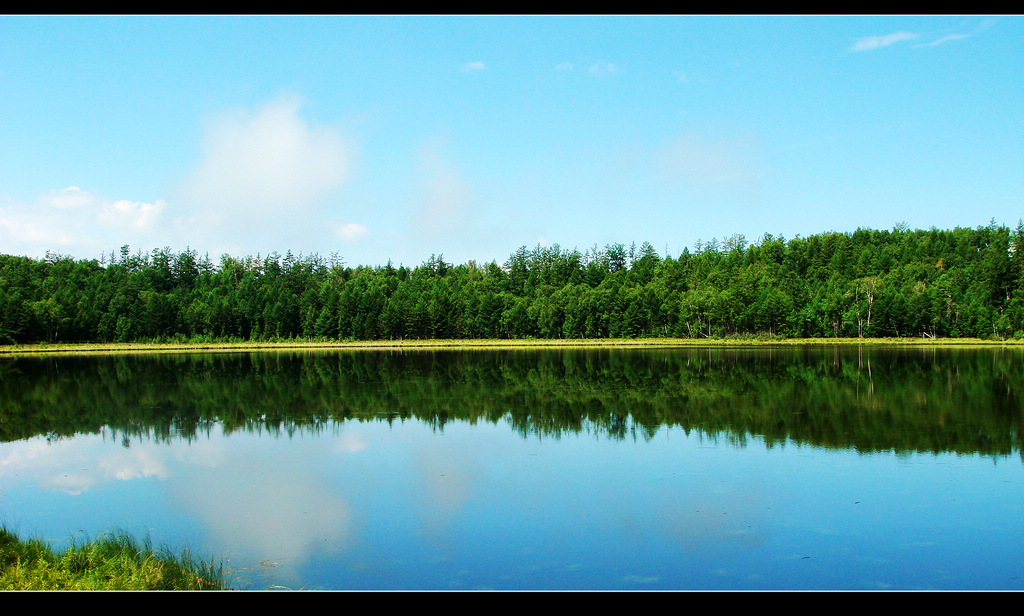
[114,561]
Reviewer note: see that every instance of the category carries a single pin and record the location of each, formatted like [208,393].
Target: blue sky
[395,138]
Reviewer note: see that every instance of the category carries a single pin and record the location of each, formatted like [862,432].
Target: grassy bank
[174,347]
[111,562]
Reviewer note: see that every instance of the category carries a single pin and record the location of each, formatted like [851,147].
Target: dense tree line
[870,283]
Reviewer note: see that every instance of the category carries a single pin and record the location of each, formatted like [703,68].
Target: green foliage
[869,283]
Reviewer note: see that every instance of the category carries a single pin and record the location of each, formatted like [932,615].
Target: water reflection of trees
[870,399]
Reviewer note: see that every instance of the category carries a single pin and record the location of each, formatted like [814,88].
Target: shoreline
[483,344]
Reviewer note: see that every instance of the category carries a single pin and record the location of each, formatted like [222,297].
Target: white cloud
[67,198]
[264,179]
[868,43]
[32,233]
[472,67]
[984,25]
[604,68]
[444,196]
[132,214]
[72,219]
[733,162]
[350,231]
[947,38]
[264,168]
[564,66]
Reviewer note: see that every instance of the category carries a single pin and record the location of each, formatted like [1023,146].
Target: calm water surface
[794,468]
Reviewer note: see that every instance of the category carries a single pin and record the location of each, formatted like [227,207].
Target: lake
[818,468]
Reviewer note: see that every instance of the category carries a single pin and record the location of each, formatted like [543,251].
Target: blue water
[373,505]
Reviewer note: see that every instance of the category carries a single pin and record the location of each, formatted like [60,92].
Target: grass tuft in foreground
[114,561]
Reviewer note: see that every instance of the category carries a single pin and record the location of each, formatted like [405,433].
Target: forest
[958,283]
